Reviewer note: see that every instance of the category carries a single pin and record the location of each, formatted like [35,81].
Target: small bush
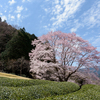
[20,82]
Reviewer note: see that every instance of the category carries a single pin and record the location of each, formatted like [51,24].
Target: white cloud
[11,17]
[18,16]
[0,5]
[71,6]
[61,2]
[23,0]
[11,2]
[46,10]
[63,10]
[76,24]
[57,9]
[56,1]
[91,17]
[96,41]
[45,26]
[4,18]
[73,29]
[29,0]
[19,9]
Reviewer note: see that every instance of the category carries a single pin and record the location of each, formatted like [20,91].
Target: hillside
[12,76]
[15,45]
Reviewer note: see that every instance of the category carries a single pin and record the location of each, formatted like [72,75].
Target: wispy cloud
[91,17]
[3,18]
[11,2]
[96,41]
[85,34]
[23,0]
[70,7]
[18,16]
[11,17]
[76,24]
[19,9]
[0,5]
[29,0]
[64,10]
[73,29]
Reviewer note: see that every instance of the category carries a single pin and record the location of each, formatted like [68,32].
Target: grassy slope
[12,76]
[17,89]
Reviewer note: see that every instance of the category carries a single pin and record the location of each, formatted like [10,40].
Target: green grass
[20,82]
[88,92]
[28,89]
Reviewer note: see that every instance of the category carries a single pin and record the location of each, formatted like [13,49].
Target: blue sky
[41,16]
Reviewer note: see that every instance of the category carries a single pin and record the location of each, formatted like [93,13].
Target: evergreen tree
[19,46]
[6,33]
[0,19]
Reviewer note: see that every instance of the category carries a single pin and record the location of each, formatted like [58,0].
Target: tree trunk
[66,79]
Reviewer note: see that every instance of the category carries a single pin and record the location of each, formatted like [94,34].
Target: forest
[15,44]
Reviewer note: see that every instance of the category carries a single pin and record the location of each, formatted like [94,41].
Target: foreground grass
[18,89]
[88,92]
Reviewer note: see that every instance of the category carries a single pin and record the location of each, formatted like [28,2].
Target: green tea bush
[14,89]
[88,92]
[20,82]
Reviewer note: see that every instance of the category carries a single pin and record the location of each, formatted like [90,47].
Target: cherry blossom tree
[42,61]
[69,51]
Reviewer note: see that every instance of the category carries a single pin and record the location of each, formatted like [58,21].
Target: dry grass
[12,76]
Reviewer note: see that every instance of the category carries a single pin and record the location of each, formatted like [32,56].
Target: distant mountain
[97,73]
